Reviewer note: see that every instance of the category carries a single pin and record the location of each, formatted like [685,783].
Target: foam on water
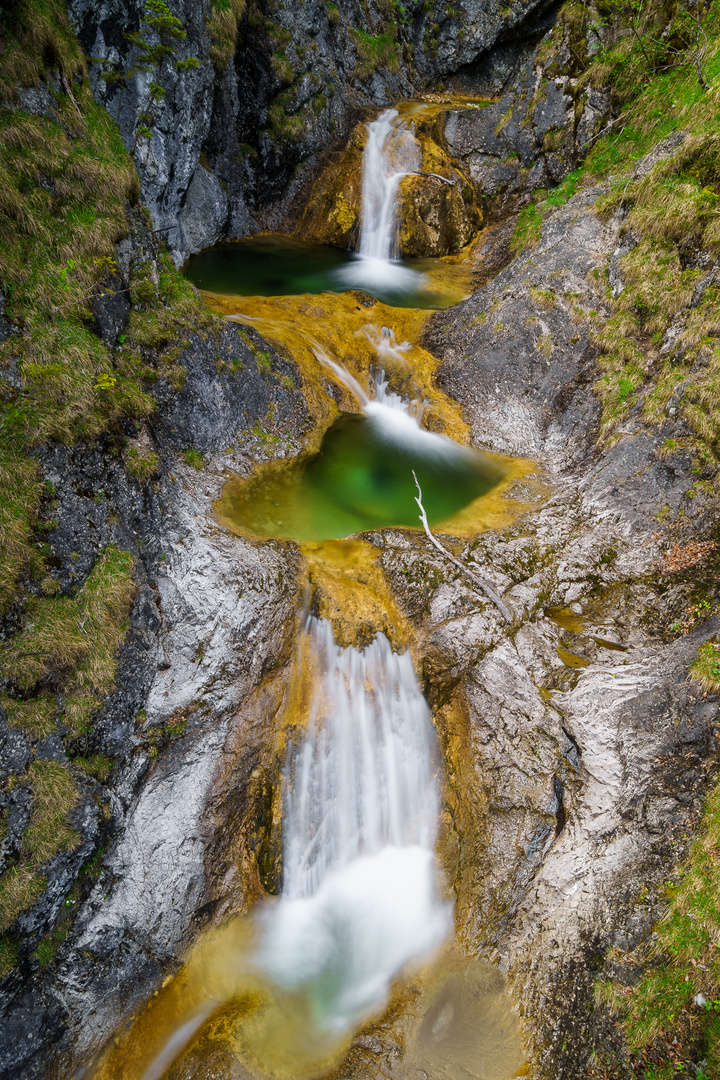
[391,152]
[359,897]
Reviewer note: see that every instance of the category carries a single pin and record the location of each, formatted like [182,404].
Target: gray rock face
[587,743]
[520,359]
[211,621]
[231,152]
[531,138]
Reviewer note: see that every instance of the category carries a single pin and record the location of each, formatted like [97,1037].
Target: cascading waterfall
[391,152]
[359,897]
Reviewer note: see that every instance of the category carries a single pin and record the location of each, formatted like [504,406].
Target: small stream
[364,907]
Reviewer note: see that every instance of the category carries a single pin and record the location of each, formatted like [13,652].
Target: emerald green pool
[282,266]
[360,479]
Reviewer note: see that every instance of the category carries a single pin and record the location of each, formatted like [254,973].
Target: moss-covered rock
[332,213]
[436,217]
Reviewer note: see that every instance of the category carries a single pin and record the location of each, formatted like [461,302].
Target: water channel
[365,916]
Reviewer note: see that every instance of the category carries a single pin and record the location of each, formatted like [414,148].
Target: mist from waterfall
[391,152]
[359,898]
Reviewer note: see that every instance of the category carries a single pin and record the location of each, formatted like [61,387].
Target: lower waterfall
[359,898]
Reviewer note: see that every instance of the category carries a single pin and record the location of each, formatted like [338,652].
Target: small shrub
[193,458]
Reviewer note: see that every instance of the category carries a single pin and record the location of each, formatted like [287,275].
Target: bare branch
[504,611]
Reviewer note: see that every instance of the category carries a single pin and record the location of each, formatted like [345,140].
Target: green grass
[67,185]
[141,464]
[706,667]
[380,50]
[97,765]
[665,1027]
[8,955]
[193,458]
[222,23]
[648,67]
[71,641]
[67,646]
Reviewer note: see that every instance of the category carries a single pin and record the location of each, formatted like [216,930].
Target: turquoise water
[360,479]
[283,266]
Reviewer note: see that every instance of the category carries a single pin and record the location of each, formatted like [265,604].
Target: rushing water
[391,152]
[359,898]
[362,476]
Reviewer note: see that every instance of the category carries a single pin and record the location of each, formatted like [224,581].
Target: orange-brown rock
[333,209]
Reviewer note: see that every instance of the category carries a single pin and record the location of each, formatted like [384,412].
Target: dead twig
[68,91]
[504,611]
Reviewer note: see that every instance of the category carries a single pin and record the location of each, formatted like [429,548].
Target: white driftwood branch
[434,175]
[504,611]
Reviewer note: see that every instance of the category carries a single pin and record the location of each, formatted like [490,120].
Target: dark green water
[360,479]
[283,266]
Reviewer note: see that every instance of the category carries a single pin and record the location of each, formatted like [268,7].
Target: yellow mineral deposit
[364,927]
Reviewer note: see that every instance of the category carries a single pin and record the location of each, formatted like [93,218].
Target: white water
[391,152]
[395,419]
[359,898]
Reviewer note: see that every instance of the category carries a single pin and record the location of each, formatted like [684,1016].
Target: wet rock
[111,309]
[235,151]
[225,392]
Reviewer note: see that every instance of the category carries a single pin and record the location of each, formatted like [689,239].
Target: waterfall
[359,897]
[391,152]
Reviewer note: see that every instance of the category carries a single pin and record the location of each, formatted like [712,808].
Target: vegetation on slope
[68,194]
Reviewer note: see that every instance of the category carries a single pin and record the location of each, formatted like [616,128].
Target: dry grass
[71,642]
[36,716]
[35,36]
[19,888]
[222,23]
[54,795]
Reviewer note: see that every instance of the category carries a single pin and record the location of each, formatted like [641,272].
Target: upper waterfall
[391,152]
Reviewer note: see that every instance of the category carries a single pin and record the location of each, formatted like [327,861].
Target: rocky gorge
[576,747]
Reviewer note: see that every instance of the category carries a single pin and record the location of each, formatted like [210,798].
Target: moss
[379,51]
